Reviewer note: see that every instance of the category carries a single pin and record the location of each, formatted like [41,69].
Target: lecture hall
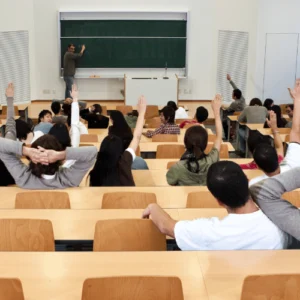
[149,151]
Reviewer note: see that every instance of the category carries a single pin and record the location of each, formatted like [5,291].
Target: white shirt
[36,134]
[77,128]
[235,232]
[181,113]
[291,161]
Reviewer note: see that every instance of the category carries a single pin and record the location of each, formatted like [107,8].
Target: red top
[188,122]
[253,166]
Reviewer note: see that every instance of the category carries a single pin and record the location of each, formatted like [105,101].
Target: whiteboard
[157,90]
[280,66]
[14,65]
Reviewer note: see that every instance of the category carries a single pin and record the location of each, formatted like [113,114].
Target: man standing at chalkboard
[70,59]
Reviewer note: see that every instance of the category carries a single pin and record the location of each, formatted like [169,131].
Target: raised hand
[10,90]
[142,105]
[74,93]
[83,48]
[272,123]
[295,93]
[216,103]
[228,77]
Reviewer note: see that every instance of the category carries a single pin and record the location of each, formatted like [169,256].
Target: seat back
[202,199]
[11,289]
[170,151]
[42,200]
[151,111]
[281,286]
[153,122]
[132,288]
[124,109]
[287,138]
[293,197]
[127,200]
[4,110]
[179,121]
[89,138]
[187,126]
[104,110]
[224,153]
[26,235]
[128,235]
[165,138]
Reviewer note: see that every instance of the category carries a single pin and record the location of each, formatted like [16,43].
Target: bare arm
[216,105]
[161,219]
[295,132]
[272,123]
[141,107]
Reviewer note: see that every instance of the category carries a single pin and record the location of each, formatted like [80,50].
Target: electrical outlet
[190,91]
[46,92]
[54,92]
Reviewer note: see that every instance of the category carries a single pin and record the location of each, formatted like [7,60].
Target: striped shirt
[164,129]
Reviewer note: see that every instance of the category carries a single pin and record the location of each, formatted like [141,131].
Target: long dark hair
[105,171]
[120,128]
[195,141]
[280,121]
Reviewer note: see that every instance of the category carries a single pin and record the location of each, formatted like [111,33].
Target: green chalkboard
[126,43]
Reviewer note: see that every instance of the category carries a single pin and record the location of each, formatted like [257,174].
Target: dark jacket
[94,121]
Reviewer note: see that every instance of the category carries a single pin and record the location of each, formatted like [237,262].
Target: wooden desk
[158,177]
[214,275]
[60,276]
[80,224]
[21,108]
[161,164]
[91,197]
[268,131]
[102,133]
[233,119]
[225,271]
[152,146]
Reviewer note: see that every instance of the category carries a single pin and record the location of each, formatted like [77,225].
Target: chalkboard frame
[124,15]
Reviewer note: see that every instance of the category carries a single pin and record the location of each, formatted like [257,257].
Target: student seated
[25,134]
[131,119]
[69,101]
[238,104]
[44,121]
[290,112]
[268,195]
[58,117]
[268,104]
[280,121]
[168,126]
[265,156]
[113,165]
[94,117]
[255,113]
[245,228]
[194,164]
[121,129]
[180,112]
[46,156]
[200,117]
[255,139]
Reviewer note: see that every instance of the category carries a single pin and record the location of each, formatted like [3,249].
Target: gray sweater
[239,104]
[268,195]
[11,151]
[70,63]
[253,115]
